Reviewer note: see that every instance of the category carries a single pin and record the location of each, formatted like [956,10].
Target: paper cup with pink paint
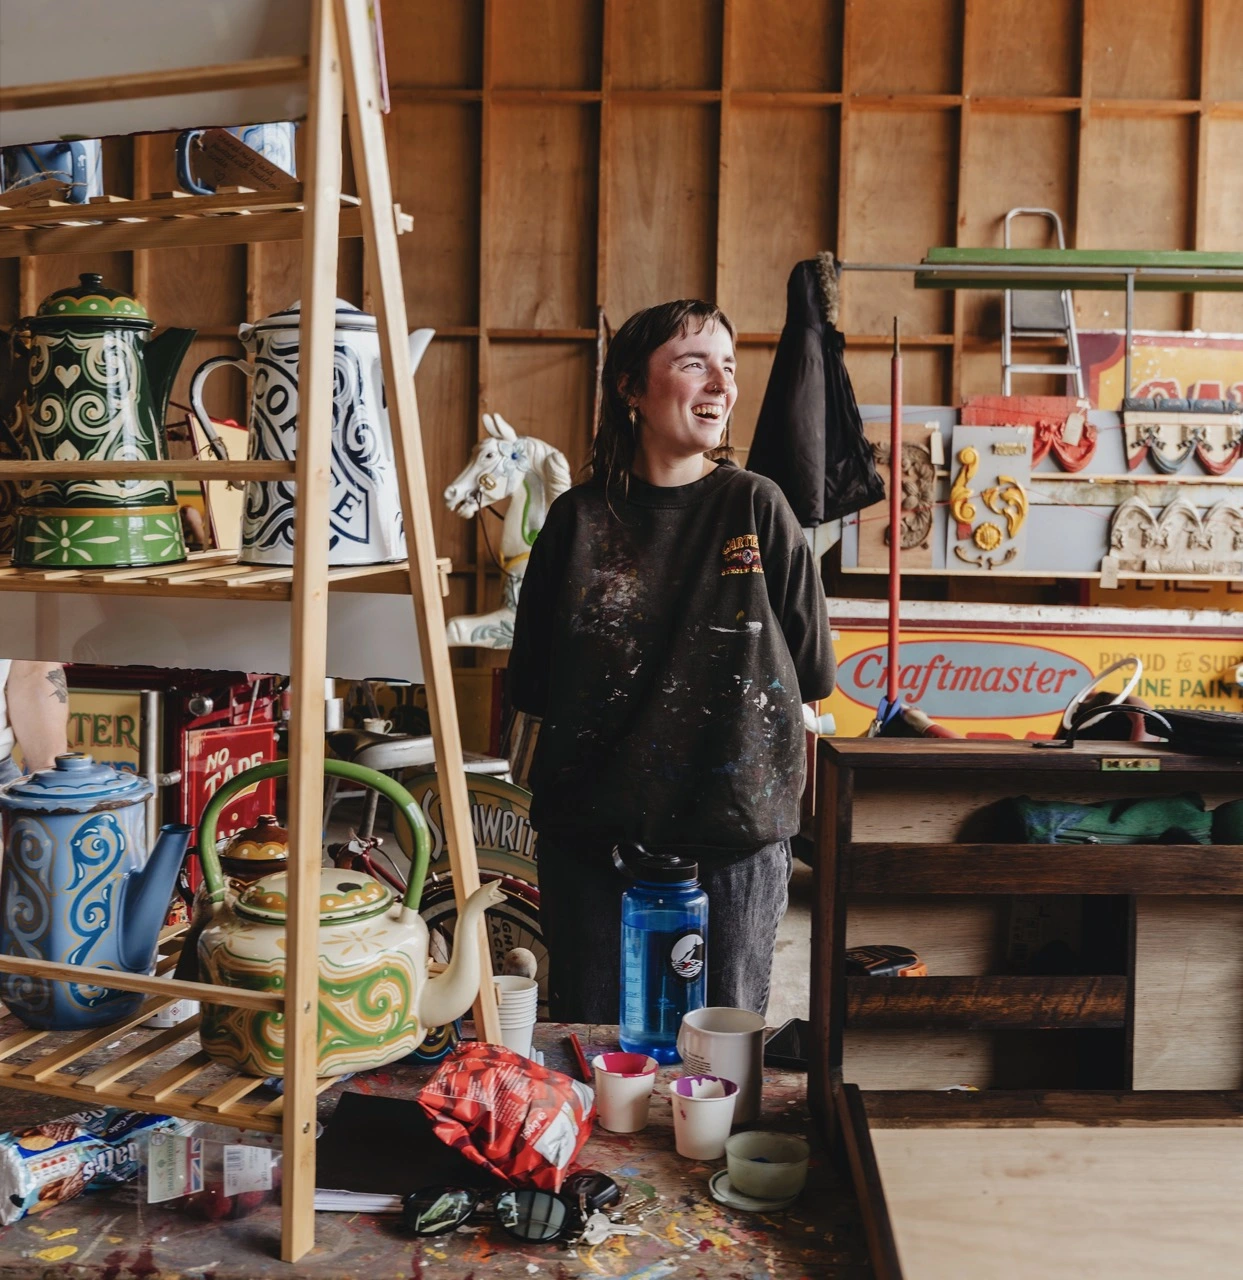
[624,1083]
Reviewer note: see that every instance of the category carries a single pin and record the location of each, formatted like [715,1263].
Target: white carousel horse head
[498,466]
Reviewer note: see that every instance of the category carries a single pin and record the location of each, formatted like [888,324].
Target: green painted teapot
[377,1001]
[95,388]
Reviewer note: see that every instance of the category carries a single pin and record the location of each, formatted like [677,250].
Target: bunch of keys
[595,1192]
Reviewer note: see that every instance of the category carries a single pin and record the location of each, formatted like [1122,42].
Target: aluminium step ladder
[1039,313]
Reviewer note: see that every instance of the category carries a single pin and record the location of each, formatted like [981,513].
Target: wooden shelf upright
[343,79]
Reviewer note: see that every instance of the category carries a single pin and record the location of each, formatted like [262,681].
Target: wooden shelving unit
[344,79]
[893,866]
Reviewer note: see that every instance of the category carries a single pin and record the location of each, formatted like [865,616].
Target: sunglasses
[536,1217]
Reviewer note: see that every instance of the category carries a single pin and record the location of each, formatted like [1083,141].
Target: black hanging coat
[809,436]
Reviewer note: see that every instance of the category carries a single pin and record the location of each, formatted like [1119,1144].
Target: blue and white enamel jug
[80,887]
[364,518]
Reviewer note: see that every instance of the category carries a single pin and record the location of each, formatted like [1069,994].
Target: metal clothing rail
[994,275]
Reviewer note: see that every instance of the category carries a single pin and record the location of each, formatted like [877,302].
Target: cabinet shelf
[208,575]
[110,223]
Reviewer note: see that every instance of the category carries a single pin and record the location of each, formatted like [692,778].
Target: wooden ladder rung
[103,1076]
[19,1041]
[172,1079]
[222,1099]
[50,1063]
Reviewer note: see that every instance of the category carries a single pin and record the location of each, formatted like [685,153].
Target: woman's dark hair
[625,375]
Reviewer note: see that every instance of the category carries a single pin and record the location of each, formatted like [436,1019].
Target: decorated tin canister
[96,387]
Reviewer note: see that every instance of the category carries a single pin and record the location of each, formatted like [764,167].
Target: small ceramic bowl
[769,1166]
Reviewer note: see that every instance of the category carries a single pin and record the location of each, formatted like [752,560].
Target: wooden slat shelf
[206,575]
[987,1003]
[1049,868]
[170,469]
[1022,1109]
[111,224]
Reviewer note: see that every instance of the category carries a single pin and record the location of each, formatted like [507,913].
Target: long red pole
[895,512]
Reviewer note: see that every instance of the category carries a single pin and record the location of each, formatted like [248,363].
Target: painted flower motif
[61,545]
[168,534]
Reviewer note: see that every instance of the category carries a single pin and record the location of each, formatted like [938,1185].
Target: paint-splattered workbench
[687,1235]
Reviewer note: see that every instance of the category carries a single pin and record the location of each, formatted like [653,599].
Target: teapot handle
[199,410]
[403,802]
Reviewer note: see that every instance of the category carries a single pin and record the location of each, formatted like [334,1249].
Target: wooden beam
[1023,1109]
[176,81]
[310,628]
[380,237]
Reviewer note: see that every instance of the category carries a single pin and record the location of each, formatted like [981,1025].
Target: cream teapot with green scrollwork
[376,999]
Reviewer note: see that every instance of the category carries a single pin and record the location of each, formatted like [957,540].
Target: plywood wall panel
[546,44]
[905,46]
[1012,161]
[901,199]
[1025,48]
[434,152]
[546,389]
[1223,312]
[1224,60]
[1134,200]
[667,46]
[925,374]
[543,217]
[445,387]
[660,241]
[780,207]
[429,42]
[788,46]
[754,365]
[1147,50]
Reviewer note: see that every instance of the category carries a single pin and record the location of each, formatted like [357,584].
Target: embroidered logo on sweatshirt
[742,555]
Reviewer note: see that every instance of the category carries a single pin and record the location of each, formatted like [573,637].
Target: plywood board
[428,42]
[903,172]
[1223,312]
[660,241]
[1129,205]
[788,46]
[1144,51]
[434,155]
[925,372]
[1013,160]
[546,389]
[905,46]
[754,365]
[446,384]
[667,46]
[779,207]
[1145,1203]
[1188,1005]
[1224,53]
[1025,48]
[546,44]
[542,218]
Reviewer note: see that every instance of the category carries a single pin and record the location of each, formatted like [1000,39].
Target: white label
[247,1169]
[174,1167]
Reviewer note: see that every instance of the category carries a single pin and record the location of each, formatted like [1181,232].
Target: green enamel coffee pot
[377,1001]
[95,389]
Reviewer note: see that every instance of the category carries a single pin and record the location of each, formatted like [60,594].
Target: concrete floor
[791,992]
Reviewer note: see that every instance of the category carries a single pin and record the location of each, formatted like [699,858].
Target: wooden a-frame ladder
[344,76]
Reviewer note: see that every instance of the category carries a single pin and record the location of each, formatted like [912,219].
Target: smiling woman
[670,625]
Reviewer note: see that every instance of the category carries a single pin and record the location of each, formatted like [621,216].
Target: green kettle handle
[388,787]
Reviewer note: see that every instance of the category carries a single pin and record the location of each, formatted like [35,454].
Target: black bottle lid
[658,868]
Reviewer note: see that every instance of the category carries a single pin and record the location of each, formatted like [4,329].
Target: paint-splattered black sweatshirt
[668,645]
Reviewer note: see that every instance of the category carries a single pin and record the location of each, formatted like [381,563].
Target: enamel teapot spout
[144,893]
[450,994]
[162,357]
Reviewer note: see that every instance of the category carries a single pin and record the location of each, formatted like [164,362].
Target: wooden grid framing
[559,155]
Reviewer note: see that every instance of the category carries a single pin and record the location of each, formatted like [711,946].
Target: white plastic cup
[624,1083]
[517,1009]
[703,1112]
[729,1043]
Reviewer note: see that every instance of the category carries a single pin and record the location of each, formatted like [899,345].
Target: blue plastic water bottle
[664,960]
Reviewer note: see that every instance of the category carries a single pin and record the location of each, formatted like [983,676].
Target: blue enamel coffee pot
[79,886]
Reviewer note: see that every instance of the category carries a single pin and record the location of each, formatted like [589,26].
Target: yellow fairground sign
[997,682]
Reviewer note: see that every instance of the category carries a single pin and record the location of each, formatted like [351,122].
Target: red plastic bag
[518,1120]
